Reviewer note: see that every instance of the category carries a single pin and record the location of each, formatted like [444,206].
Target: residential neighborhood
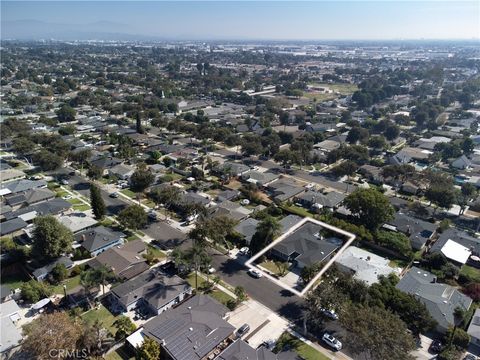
[238,200]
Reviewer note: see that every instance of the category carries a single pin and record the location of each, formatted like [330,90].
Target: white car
[211,270]
[332,341]
[244,251]
[67,197]
[245,202]
[255,273]
[330,313]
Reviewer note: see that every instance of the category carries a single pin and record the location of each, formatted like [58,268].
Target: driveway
[265,325]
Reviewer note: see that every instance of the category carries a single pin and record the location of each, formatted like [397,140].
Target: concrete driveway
[265,325]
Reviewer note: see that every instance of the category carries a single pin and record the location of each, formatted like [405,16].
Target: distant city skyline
[244,20]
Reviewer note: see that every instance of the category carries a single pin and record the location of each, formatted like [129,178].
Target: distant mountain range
[36,30]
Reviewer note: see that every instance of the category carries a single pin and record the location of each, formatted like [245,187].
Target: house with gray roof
[125,261]
[41,274]
[99,239]
[240,350]
[306,246]
[30,197]
[284,189]
[247,228]
[21,185]
[153,289]
[52,207]
[440,299]
[418,231]
[121,171]
[195,330]
[259,178]
[233,168]
[460,237]
[289,221]
[11,226]
[77,222]
[318,200]
[230,209]
[461,163]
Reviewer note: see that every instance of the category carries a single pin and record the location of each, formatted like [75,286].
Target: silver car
[332,341]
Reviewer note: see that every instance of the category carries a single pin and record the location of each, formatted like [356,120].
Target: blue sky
[310,20]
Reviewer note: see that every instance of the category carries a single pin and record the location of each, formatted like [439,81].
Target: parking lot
[265,325]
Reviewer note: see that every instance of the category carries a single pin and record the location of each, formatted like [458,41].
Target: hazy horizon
[243,20]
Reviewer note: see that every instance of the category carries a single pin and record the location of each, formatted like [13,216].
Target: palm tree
[458,319]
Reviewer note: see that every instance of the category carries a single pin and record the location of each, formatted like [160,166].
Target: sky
[249,20]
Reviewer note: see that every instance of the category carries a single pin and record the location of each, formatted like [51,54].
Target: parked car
[64,182]
[245,202]
[245,328]
[330,313]
[67,197]
[332,341]
[152,215]
[211,270]
[255,273]
[435,347]
[114,195]
[244,251]
[470,357]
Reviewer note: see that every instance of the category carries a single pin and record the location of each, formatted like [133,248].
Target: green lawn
[103,315]
[61,193]
[71,284]
[269,265]
[75,201]
[159,254]
[129,193]
[132,237]
[297,210]
[218,295]
[304,350]
[81,207]
[344,89]
[473,274]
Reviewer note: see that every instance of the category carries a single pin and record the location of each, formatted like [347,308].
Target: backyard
[103,315]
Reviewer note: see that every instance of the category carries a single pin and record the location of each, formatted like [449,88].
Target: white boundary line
[350,238]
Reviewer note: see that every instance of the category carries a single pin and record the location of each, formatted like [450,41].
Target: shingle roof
[98,237]
[459,237]
[240,350]
[192,330]
[440,299]
[154,286]
[23,185]
[11,226]
[247,228]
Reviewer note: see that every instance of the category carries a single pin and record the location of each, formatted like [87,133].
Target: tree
[467,191]
[94,277]
[218,228]
[441,196]
[282,267]
[149,350]
[51,331]
[345,168]
[97,203]
[133,217]
[377,332]
[23,145]
[377,142]
[473,290]
[141,178]
[309,272]
[392,132]
[396,241]
[33,291]
[66,113]
[458,337]
[138,124]
[239,291]
[81,156]
[370,207]
[47,161]
[59,273]
[357,134]
[124,326]
[467,145]
[267,230]
[51,239]
[167,195]
[94,172]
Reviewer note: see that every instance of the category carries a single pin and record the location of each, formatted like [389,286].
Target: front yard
[217,294]
[304,350]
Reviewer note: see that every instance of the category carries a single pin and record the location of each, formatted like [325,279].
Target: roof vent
[191,329]
[189,308]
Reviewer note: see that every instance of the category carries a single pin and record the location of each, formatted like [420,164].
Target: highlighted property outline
[350,238]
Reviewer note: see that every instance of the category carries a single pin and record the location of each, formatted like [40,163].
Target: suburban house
[474,328]
[28,213]
[306,246]
[461,163]
[317,200]
[10,336]
[247,228]
[259,178]
[77,222]
[99,239]
[418,231]
[41,274]
[364,265]
[11,174]
[459,237]
[441,300]
[195,330]
[12,226]
[29,197]
[125,261]
[121,171]
[230,209]
[232,168]
[22,185]
[283,189]
[153,289]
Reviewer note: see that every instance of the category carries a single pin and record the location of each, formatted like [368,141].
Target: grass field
[71,284]
[103,315]
[270,266]
[344,89]
[129,193]
[297,210]
[473,274]
[81,207]
[306,351]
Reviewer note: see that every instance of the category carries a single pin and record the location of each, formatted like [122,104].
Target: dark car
[243,329]
[435,347]
[470,357]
